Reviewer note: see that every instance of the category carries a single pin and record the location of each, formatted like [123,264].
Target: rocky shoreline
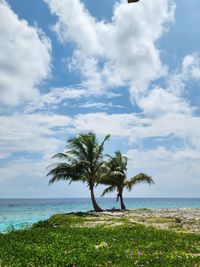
[178,219]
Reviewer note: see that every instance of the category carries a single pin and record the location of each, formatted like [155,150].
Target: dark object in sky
[132,1]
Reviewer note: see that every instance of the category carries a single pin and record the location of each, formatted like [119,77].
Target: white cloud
[172,170]
[100,105]
[191,66]
[189,71]
[46,133]
[171,100]
[160,102]
[184,127]
[63,96]
[122,52]
[137,128]
[35,133]
[103,123]
[55,98]
[24,58]
[21,167]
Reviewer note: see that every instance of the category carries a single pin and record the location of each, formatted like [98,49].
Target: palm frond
[78,147]
[116,173]
[115,170]
[60,156]
[138,179]
[83,160]
[109,189]
[65,156]
[99,149]
[64,171]
[106,138]
[105,180]
[101,146]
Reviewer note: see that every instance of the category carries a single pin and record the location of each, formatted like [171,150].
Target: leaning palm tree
[116,177]
[82,161]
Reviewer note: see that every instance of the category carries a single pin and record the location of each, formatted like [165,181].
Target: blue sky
[131,71]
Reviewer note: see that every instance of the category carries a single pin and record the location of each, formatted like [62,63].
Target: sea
[22,213]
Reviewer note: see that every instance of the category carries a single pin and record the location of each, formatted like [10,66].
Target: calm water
[19,213]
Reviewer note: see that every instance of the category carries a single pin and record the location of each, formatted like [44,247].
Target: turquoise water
[19,213]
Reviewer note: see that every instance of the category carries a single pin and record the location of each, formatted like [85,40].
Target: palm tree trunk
[123,207]
[94,203]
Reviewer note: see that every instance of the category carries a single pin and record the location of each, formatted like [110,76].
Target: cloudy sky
[132,71]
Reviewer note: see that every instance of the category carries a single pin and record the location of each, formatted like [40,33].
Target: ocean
[20,213]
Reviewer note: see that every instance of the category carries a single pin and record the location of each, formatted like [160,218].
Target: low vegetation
[97,240]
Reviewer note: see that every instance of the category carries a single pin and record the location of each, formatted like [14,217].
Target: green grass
[64,241]
[160,220]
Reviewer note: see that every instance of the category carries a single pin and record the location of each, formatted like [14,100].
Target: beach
[178,219]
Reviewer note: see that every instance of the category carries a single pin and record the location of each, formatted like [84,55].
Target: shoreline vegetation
[141,237]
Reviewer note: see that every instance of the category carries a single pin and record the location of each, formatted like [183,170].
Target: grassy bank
[71,240]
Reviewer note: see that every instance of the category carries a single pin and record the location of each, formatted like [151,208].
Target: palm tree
[116,177]
[83,161]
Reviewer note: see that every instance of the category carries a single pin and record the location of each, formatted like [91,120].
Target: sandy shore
[179,219]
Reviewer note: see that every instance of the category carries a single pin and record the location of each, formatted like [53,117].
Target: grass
[66,241]
[160,220]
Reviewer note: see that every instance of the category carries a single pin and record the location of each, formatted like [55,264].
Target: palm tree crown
[83,161]
[116,177]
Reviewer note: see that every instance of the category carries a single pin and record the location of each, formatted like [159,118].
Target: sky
[129,70]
